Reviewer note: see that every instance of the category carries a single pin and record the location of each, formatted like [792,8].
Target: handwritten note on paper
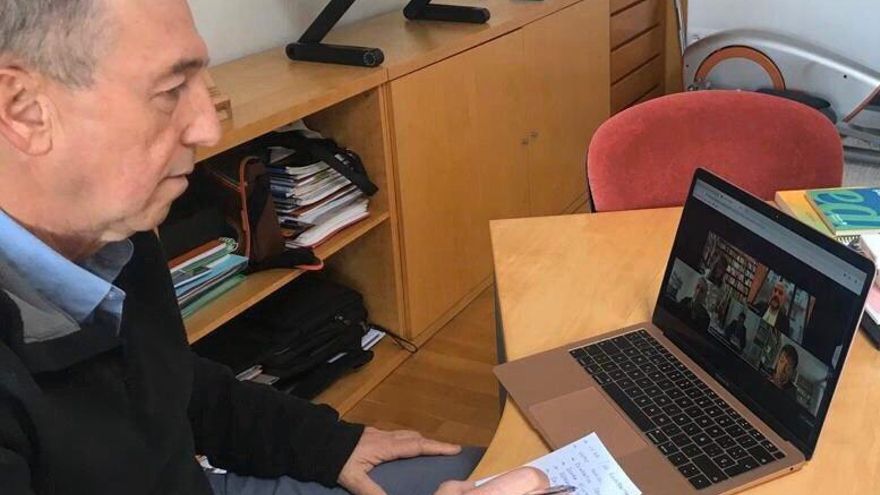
[587,465]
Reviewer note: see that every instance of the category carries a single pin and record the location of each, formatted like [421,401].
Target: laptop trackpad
[568,418]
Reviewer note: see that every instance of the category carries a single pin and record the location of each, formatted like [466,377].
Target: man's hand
[518,482]
[376,447]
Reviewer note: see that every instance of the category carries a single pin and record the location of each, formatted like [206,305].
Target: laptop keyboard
[698,432]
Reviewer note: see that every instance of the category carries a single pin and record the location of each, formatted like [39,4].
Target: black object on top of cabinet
[424,10]
[310,49]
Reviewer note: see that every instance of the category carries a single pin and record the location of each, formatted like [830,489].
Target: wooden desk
[561,279]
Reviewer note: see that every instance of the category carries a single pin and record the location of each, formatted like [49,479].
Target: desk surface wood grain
[566,278]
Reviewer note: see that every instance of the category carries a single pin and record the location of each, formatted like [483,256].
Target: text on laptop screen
[764,309]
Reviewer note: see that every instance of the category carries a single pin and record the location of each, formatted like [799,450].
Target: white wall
[235,28]
[848,27]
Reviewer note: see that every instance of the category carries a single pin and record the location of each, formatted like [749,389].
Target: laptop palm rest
[567,418]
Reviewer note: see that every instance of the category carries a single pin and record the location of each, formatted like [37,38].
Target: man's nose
[204,128]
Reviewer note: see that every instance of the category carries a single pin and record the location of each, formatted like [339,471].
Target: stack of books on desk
[205,273]
[843,213]
[314,201]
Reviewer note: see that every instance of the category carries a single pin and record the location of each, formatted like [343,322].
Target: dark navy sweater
[99,413]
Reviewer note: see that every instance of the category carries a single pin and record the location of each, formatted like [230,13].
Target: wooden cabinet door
[461,161]
[568,67]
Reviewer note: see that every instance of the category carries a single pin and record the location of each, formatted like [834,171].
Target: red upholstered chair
[645,157]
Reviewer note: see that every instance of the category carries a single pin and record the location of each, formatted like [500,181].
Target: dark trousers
[420,476]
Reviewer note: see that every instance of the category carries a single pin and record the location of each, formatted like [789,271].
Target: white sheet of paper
[587,465]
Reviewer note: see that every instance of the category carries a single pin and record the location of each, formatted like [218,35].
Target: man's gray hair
[59,38]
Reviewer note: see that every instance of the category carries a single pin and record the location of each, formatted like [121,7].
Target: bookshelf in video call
[462,124]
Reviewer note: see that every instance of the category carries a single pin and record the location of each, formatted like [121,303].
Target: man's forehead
[160,33]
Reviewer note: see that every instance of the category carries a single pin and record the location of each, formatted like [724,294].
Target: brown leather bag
[245,192]
[248,206]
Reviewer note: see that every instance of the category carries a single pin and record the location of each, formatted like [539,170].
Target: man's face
[784,369]
[719,268]
[777,298]
[128,141]
[700,292]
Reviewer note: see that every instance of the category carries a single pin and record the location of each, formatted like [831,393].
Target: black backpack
[294,335]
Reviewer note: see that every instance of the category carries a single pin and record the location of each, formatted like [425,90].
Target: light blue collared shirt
[43,282]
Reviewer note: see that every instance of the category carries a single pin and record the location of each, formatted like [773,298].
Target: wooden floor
[447,390]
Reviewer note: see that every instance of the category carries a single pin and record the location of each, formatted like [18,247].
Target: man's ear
[24,113]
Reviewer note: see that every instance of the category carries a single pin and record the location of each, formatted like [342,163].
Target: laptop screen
[763,303]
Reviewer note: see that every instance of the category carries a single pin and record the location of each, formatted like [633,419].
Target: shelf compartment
[260,285]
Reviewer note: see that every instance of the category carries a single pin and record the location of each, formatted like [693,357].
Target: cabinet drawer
[629,23]
[636,53]
[636,85]
[618,5]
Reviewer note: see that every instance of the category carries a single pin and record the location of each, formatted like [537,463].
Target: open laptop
[729,384]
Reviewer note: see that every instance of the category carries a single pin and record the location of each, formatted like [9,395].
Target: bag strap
[346,162]
[259,198]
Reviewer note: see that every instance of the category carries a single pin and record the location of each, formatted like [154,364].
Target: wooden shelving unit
[416,257]
[347,104]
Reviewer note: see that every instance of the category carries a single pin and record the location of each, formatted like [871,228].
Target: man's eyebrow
[184,66]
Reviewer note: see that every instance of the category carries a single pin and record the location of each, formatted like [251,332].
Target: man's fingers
[417,446]
[434,447]
[517,482]
[364,485]
[405,435]
[455,488]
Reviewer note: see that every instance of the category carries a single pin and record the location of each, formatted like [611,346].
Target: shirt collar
[75,289]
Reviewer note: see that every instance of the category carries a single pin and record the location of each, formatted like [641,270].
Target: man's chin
[155,212]
[153,218]
[179,183]
[160,217]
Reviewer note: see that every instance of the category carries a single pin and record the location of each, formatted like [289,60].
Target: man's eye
[174,92]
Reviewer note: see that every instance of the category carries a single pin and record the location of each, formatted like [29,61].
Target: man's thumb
[455,488]
[364,485]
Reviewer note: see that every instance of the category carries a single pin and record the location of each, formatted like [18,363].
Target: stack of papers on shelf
[330,223]
[205,273]
[313,201]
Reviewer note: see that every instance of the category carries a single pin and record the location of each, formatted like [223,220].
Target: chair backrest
[645,156]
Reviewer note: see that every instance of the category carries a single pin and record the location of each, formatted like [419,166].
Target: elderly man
[102,106]
[735,332]
[786,369]
[693,307]
[773,310]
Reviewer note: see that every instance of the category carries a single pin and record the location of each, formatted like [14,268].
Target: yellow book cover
[795,203]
